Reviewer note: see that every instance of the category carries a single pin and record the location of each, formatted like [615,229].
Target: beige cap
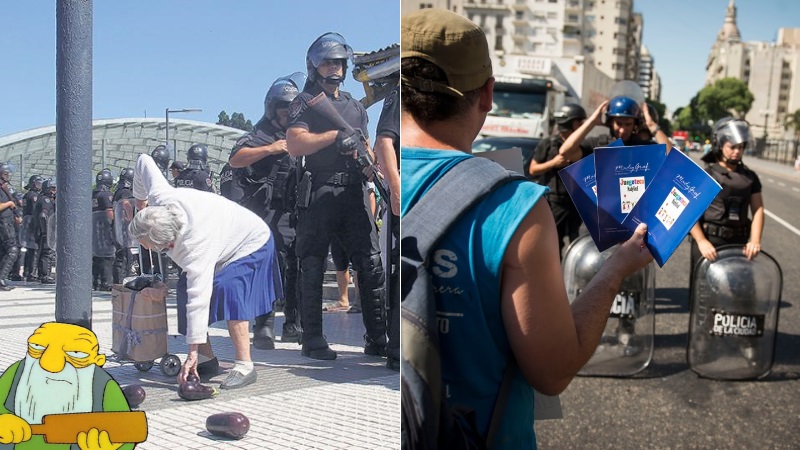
[451,42]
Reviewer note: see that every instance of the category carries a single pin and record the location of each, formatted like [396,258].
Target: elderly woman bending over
[228,259]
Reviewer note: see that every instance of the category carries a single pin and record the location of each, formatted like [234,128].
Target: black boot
[316,347]
[291,332]
[314,344]
[373,313]
[264,332]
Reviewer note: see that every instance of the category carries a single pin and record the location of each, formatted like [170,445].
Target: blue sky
[150,55]
[680,33]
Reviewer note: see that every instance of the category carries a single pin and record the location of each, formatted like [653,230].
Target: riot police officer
[9,248]
[123,195]
[196,175]
[331,197]
[161,155]
[103,248]
[29,227]
[545,164]
[44,212]
[623,118]
[387,149]
[726,221]
[261,176]
[150,262]
[19,199]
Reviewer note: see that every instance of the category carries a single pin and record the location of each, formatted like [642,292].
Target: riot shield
[28,233]
[627,88]
[52,231]
[734,315]
[626,346]
[102,235]
[123,215]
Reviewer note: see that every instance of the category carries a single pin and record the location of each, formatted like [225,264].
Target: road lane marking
[796,189]
[781,184]
[782,222]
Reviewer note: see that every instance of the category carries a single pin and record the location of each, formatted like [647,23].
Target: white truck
[529,89]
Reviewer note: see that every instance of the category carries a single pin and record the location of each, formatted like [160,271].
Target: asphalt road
[668,405]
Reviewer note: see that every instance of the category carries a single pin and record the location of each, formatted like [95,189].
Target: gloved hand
[346,143]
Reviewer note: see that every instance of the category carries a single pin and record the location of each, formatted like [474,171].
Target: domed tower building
[768,68]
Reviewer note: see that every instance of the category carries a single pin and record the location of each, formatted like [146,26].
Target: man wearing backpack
[500,302]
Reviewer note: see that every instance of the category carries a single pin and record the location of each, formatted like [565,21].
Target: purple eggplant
[134,394]
[232,425]
[193,389]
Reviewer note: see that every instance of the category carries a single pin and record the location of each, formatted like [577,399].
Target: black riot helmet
[652,111]
[48,185]
[104,178]
[567,113]
[328,46]
[283,91]
[34,183]
[161,156]
[197,156]
[125,178]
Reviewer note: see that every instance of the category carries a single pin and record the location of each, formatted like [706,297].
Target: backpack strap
[427,222]
[450,197]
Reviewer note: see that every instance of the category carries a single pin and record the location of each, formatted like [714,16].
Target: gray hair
[159,224]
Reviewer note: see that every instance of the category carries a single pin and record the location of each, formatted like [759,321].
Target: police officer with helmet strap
[196,175]
[161,155]
[44,212]
[34,188]
[334,207]
[262,177]
[547,161]
[623,118]
[123,194]
[726,221]
[102,218]
[9,247]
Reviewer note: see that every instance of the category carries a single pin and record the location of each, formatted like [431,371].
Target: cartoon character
[59,397]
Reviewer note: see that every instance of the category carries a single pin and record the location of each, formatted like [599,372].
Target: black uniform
[9,247]
[124,258]
[102,201]
[267,187]
[194,178]
[389,126]
[727,221]
[44,211]
[568,221]
[336,209]
[32,253]
[19,199]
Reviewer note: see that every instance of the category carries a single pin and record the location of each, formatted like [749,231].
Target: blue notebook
[676,198]
[581,186]
[622,174]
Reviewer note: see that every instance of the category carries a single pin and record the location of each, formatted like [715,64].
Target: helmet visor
[735,132]
[329,46]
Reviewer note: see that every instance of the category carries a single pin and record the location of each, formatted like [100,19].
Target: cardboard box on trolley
[139,322]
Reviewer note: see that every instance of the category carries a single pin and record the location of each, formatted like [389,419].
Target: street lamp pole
[166,127]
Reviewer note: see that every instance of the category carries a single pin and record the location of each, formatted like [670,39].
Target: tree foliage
[235,120]
[793,121]
[726,97]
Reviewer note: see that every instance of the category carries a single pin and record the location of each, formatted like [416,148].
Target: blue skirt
[243,290]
